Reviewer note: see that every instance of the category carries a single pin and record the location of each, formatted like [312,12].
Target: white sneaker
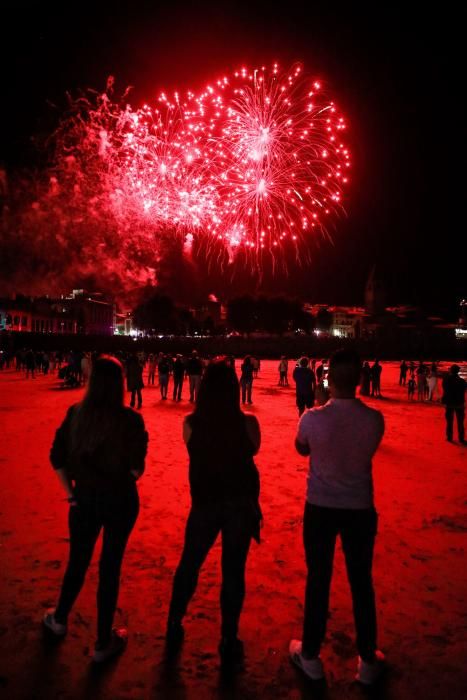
[117,645]
[313,668]
[369,673]
[51,624]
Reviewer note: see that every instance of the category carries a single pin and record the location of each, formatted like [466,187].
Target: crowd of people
[99,455]
[422,378]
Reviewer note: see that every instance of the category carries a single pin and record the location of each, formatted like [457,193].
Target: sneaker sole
[295,659]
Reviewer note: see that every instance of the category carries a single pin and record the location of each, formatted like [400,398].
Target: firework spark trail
[255,162]
[282,162]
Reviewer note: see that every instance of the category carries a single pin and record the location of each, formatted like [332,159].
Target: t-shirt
[343,436]
[304,378]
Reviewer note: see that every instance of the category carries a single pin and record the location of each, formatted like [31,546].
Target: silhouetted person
[305,384]
[30,362]
[194,370]
[341,439]
[432,383]
[224,484]
[320,371]
[283,371]
[411,388]
[246,379]
[151,369]
[163,367]
[178,371]
[421,381]
[134,380]
[454,399]
[403,373]
[98,453]
[365,379]
[376,370]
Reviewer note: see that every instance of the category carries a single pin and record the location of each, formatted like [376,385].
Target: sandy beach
[420,573]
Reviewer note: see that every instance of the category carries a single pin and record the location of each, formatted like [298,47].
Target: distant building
[78,312]
[346,321]
[95,315]
[35,316]
[124,324]
[210,309]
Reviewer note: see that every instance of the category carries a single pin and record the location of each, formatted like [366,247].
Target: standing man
[403,373]
[194,370]
[454,399]
[340,438]
[305,384]
[283,371]
[151,369]
[376,379]
[134,380]
[178,370]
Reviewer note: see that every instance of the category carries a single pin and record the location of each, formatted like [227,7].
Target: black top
[221,462]
[108,466]
[194,366]
[179,368]
[454,390]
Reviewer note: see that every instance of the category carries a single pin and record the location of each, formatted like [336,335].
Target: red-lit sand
[420,565]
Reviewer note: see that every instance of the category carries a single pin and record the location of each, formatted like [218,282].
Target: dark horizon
[391,72]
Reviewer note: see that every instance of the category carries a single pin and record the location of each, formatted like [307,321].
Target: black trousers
[459,411]
[133,396]
[357,530]
[202,528]
[178,384]
[116,514]
[304,401]
[246,388]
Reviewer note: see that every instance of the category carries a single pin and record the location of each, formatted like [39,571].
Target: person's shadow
[43,665]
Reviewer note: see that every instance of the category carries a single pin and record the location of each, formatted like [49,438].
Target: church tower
[375,296]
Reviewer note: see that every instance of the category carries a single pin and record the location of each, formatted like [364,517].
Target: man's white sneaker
[368,673]
[313,668]
[117,644]
[51,624]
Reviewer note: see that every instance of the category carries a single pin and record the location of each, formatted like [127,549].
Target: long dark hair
[219,393]
[96,419]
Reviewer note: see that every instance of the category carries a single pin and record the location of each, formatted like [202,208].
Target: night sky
[395,75]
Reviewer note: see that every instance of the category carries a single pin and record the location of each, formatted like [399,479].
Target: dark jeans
[133,397]
[246,390]
[202,529]
[151,376]
[116,513]
[178,384]
[194,382]
[304,401]
[357,530]
[459,411]
[163,384]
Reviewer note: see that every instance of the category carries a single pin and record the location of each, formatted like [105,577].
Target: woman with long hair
[224,483]
[98,454]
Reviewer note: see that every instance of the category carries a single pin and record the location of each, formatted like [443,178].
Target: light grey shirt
[343,435]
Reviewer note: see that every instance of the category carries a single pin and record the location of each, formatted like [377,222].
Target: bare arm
[65,482]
